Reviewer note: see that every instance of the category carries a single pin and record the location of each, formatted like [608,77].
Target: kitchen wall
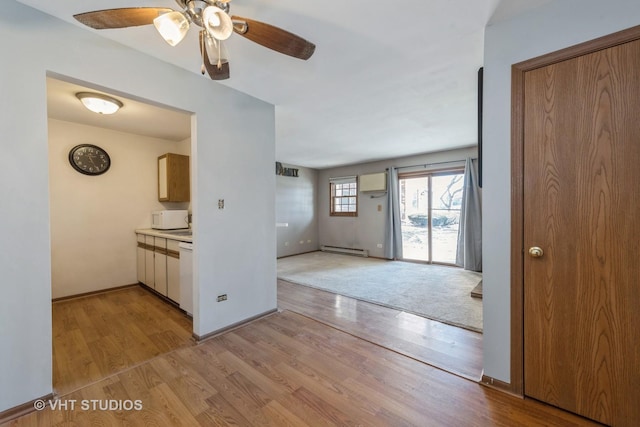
[240,136]
[93,246]
[296,205]
[551,27]
[367,230]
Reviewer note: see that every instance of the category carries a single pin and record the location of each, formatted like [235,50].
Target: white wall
[93,217]
[554,26]
[235,248]
[296,205]
[367,230]
[233,150]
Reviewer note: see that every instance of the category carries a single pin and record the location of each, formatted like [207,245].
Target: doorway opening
[430,205]
[103,322]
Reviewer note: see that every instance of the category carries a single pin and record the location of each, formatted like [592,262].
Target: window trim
[332,188]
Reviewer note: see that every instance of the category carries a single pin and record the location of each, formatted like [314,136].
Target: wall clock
[89,159]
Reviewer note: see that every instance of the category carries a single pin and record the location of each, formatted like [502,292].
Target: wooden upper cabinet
[173,178]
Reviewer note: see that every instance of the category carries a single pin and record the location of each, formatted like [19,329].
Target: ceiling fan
[216,23]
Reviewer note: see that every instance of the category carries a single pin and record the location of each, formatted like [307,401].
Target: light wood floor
[289,370]
[98,335]
[453,349]
[285,369]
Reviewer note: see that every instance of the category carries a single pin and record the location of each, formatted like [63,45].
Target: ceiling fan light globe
[216,51]
[172,26]
[217,23]
[214,20]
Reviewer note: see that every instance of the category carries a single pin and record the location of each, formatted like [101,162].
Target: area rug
[436,292]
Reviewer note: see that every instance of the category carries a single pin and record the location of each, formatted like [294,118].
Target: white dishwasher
[186,277]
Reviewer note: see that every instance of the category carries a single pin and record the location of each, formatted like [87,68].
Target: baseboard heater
[346,251]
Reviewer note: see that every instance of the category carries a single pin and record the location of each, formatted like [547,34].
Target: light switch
[220,203]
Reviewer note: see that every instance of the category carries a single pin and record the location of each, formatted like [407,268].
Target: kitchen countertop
[167,234]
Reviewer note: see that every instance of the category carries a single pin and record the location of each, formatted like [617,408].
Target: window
[344,196]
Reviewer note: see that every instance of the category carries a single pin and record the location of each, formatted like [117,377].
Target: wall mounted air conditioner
[373,182]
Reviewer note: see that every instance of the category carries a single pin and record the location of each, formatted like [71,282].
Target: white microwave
[169,219]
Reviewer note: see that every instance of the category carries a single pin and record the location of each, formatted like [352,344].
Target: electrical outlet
[286,243]
[309,241]
[379,245]
[222,297]
[301,242]
[220,203]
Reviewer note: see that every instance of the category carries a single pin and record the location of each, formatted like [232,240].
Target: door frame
[516,385]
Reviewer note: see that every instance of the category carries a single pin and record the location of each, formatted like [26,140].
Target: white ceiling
[386,80]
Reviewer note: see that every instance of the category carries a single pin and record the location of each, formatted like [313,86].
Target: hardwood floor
[455,350]
[285,369]
[289,370]
[98,335]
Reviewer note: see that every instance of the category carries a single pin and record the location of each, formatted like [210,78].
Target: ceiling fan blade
[121,18]
[214,72]
[275,38]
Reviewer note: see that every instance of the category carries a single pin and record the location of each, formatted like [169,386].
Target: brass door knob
[536,252]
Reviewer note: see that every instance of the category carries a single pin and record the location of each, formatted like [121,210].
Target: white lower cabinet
[149,256]
[173,270]
[159,265]
[141,258]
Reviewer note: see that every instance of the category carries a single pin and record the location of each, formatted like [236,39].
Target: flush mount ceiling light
[99,103]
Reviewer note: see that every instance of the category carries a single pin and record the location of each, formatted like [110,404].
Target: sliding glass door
[430,213]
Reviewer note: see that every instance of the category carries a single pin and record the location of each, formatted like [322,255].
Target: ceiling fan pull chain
[202,68]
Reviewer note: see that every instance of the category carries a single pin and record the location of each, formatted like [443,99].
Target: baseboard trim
[301,253]
[200,338]
[318,250]
[88,294]
[22,410]
[501,386]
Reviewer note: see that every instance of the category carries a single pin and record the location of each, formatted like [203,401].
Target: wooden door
[581,205]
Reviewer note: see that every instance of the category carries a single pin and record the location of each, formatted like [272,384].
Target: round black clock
[89,159]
